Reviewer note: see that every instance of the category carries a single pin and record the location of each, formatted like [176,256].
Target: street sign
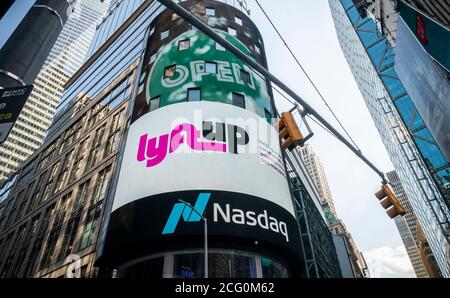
[12,101]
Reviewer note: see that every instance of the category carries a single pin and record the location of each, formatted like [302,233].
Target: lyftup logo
[181,210]
[220,138]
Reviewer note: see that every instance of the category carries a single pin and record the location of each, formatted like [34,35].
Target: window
[211,67]
[184,44]
[69,238]
[210,11]
[112,144]
[118,121]
[65,171]
[164,34]
[96,147]
[90,227]
[219,47]
[238,100]
[2,214]
[245,76]
[76,169]
[170,71]
[153,58]
[238,20]
[257,49]
[49,249]
[80,199]
[194,94]
[101,185]
[154,103]
[268,116]
[232,31]
[63,208]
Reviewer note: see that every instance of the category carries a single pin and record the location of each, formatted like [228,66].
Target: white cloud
[388,262]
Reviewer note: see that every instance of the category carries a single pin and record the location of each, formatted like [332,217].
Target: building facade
[408,226]
[66,203]
[38,30]
[317,172]
[418,160]
[66,56]
[351,260]
[420,33]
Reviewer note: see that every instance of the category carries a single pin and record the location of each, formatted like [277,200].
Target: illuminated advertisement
[12,101]
[201,133]
[224,160]
[434,37]
[426,85]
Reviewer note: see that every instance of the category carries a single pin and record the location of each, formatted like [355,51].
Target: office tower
[417,158]
[317,172]
[66,56]
[352,262]
[24,54]
[408,228]
[69,201]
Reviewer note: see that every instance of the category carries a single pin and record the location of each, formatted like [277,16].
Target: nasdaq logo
[183,211]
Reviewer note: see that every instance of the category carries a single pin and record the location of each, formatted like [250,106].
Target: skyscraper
[418,160]
[408,229]
[25,51]
[317,172]
[356,266]
[66,56]
[69,201]
[348,252]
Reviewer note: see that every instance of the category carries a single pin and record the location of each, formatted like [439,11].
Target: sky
[12,18]
[308,28]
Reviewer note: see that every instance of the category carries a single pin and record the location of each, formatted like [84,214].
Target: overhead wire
[307,75]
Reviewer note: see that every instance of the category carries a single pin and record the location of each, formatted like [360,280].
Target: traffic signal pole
[197,23]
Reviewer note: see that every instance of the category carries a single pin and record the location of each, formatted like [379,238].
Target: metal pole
[197,23]
[206,247]
[205,220]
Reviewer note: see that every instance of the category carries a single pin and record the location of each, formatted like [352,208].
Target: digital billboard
[426,85]
[202,149]
[201,132]
[434,37]
[12,101]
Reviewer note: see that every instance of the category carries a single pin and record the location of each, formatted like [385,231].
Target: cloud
[388,262]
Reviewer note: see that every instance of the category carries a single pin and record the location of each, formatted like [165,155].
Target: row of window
[210,11]
[68,230]
[186,45]
[195,94]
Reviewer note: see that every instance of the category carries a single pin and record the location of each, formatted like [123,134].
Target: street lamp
[205,220]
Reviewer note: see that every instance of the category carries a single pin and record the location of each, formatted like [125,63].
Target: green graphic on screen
[194,67]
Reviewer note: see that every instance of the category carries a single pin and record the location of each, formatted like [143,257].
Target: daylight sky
[308,28]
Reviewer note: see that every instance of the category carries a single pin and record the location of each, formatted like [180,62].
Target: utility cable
[306,74]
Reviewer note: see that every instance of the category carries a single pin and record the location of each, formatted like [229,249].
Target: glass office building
[419,162]
[57,209]
[66,56]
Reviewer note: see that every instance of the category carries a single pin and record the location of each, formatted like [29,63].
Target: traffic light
[290,134]
[390,202]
